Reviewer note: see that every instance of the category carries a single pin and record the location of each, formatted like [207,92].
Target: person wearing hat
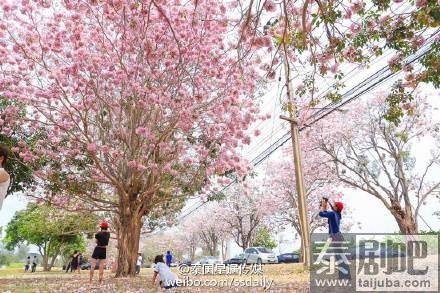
[100,251]
[333,216]
[5,179]
[334,220]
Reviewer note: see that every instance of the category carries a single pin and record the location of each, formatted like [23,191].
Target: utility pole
[297,158]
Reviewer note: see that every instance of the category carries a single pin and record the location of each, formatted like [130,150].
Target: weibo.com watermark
[239,275]
[375,262]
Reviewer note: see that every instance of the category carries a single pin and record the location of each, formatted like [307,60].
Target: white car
[259,255]
[210,260]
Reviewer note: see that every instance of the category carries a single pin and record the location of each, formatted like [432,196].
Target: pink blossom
[105,149]
[418,41]
[132,164]
[355,28]
[141,131]
[269,6]
[421,3]
[348,14]
[407,106]
[394,60]
[91,147]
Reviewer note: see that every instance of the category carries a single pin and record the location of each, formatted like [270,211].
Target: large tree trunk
[45,257]
[193,249]
[54,258]
[45,263]
[224,248]
[407,225]
[404,218]
[129,230]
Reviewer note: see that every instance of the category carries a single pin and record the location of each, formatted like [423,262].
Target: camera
[325,199]
[321,202]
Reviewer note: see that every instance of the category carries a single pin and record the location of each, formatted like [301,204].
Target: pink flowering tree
[323,37]
[211,231]
[319,179]
[371,154]
[189,238]
[245,208]
[142,102]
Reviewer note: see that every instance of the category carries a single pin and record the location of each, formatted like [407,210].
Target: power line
[355,92]
[375,79]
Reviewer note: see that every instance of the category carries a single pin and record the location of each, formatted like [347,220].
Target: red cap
[104,225]
[339,206]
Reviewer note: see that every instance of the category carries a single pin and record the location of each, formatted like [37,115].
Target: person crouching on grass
[100,251]
[167,278]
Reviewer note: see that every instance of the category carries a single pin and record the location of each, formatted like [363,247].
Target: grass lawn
[285,278]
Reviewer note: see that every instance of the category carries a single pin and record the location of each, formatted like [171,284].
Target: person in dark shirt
[69,265]
[100,251]
[74,264]
[34,264]
[28,264]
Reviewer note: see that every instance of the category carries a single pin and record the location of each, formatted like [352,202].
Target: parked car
[87,266]
[388,252]
[186,262]
[288,258]
[210,260]
[238,259]
[259,255]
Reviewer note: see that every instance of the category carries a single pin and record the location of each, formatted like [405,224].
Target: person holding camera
[333,216]
[334,221]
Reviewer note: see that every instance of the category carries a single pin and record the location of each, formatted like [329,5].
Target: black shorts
[74,266]
[99,253]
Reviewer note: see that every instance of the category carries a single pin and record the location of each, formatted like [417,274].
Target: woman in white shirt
[166,276]
[4,176]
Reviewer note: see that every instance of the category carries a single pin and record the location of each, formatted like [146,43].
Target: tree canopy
[264,239]
[50,229]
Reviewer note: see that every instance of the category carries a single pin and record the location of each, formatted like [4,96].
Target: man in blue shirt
[333,216]
[334,221]
[169,258]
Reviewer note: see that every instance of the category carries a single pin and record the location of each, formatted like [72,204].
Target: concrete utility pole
[299,175]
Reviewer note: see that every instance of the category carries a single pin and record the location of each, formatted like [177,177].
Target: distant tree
[159,244]
[369,153]
[264,239]
[78,244]
[22,252]
[189,238]
[244,210]
[211,231]
[50,229]
[5,256]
